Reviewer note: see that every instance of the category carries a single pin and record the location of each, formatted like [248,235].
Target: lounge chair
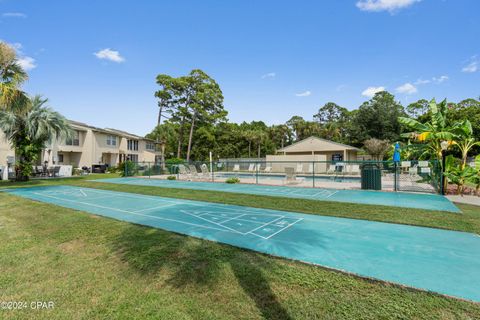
[352,169]
[182,170]
[310,168]
[267,169]
[299,168]
[193,170]
[291,177]
[331,169]
[252,167]
[236,168]
[205,171]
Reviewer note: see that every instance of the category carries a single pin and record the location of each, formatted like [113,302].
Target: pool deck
[441,261]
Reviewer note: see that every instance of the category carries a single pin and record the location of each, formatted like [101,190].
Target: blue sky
[97,60]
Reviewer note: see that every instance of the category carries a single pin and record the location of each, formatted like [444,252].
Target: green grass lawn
[99,268]
[95,267]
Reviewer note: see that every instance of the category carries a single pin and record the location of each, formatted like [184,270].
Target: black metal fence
[412,175]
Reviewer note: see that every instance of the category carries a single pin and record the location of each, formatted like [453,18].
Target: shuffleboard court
[394,199]
[442,261]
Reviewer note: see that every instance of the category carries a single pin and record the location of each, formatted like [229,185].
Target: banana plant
[431,133]
[460,176]
[464,140]
[475,180]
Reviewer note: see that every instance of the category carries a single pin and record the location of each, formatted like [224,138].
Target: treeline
[192,121]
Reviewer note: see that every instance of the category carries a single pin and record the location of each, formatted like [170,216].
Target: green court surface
[394,199]
[442,261]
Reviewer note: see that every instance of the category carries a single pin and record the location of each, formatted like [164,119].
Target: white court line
[291,224]
[157,207]
[129,212]
[264,225]
[334,192]
[138,196]
[234,218]
[83,193]
[218,224]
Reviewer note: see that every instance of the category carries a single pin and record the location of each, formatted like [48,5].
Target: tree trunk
[163,155]
[190,137]
[283,141]
[258,155]
[159,120]
[180,137]
[249,148]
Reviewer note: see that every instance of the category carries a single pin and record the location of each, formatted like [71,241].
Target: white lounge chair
[193,170]
[236,168]
[331,169]
[299,168]
[204,169]
[267,169]
[310,168]
[183,171]
[252,167]
[354,169]
[291,177]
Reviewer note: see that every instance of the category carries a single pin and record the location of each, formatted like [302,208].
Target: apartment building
[90,146]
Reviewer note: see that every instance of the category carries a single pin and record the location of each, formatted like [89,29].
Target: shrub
[232,180]
[127,169]
[171,178]
[112,169]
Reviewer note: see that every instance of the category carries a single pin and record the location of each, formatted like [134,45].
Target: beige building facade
[91,146]
[314,149]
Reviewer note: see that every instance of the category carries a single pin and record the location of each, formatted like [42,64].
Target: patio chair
[56,171]
[423,164]
[204,169]
[310,168]
[182,170]
[299,168]
[236,168]
[267,169]
[1,172]
[405,166]
[193,170]
[291,177]
[331,169]
[354,169]
[252,167]
[426,170]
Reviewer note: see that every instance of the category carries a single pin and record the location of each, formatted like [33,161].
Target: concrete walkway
[473,200]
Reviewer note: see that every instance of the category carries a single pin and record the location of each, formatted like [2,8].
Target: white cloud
[421,81]
[407,88]
[269,75]
[473,66]
[109,54]
[341,87]
[14,15]
[440,79]
[27,63]
[303,94]
[384,5]
[370,91]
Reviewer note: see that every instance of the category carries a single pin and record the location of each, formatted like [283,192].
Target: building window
[132,145]
[111,140]
[150,146]
[74,140]
[133,157]
[60,158]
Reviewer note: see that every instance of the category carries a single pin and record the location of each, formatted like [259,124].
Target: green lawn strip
[468,221]
[97,268]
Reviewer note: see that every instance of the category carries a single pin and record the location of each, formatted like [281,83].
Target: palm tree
[11,78]
[28,128]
